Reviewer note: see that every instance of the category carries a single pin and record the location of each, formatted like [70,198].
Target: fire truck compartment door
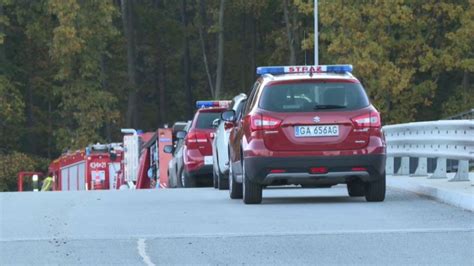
[114,169]
[82,176]
[131,157]
[73,178]
[64,179]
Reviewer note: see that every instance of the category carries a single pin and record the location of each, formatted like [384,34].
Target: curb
[458,199]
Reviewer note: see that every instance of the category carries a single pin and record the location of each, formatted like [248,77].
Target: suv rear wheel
[356,188]
[252,192]
[375,190]
[235,189]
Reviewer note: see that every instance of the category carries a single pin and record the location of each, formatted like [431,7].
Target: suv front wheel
[252,192]
[356,188]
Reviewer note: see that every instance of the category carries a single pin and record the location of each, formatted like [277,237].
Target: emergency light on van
[304,69]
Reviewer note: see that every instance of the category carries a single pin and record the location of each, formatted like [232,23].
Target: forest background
[73,72]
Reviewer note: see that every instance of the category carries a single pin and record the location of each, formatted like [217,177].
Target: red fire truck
[142,159]
[95,167]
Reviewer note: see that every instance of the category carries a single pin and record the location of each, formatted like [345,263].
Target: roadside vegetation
[74,72]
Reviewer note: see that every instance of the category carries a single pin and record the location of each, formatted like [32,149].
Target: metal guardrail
[443,140]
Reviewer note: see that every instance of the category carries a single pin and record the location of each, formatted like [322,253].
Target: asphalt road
[203,226]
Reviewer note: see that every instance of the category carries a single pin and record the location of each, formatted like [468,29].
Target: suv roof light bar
[206,104]
[276,70]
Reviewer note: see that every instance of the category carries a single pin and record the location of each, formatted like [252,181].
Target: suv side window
[251,98]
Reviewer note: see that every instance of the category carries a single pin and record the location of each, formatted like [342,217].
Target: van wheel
[222,181]
[375,190]
[252,192]
[235,189]
[187,180]
[356,188]
[215,178]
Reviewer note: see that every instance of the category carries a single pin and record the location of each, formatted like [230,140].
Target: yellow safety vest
[47,182]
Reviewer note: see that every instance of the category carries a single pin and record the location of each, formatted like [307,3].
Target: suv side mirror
[181,134]
[228,116]
[168,149]
[215,123]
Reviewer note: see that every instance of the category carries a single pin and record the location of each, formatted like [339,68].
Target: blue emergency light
[275,70]
[207,104]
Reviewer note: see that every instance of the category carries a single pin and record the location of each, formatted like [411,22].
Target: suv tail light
[194,138]
[371,119]
[261,122]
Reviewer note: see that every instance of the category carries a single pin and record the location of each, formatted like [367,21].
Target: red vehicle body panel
[152,140]
[198,142]
[79,171]
[165,137]
[283,140]
[280,141]
[143,181]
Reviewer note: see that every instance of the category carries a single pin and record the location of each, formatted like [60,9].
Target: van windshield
[311,96]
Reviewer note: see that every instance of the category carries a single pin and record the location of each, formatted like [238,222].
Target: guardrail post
[422,168]
[389,165]
[463,171]
[404,166]
[440,171]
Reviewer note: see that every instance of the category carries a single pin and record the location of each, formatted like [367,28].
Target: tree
[186,59]
[12,164]
[459,58]
[220,51]
[396,56]
[128,29]
[202,40]
[11,115]
[78,51]
[293,43]
[73,72]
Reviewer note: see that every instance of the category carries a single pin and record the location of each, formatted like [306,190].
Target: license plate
[208,160]
[317,131]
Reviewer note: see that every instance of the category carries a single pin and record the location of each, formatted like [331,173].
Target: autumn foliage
[75,72]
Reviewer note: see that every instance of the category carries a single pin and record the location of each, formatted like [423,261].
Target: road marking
[316,233]
[258,234]
[141,246]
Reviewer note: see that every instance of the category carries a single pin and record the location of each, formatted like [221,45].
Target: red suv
[197,150]
[311,126]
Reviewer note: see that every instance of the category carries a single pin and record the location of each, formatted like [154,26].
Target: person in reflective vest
[47,184]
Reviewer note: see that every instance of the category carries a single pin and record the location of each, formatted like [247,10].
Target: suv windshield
[311,96]
[204,120]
